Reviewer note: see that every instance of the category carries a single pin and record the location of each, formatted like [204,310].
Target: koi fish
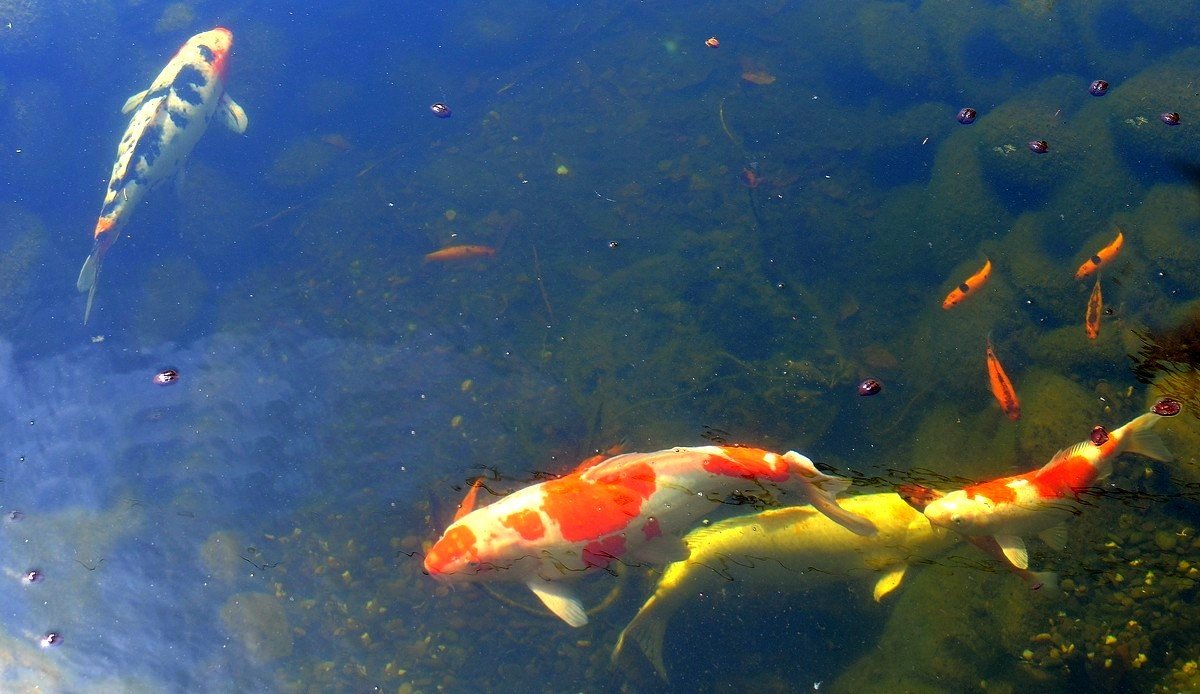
[1002,387]
[168,120]
[634,506]
[969,286]
[790,549]
[1037,502]
[1101,258]
[1095,307]
[459,253]
[919,497]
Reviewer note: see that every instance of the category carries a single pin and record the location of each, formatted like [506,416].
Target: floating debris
[440,110]
[1098,88]
[1170,118]
[869,387]
[166,377]
[966,116]
[1039,146]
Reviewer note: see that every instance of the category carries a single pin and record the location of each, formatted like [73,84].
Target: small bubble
[51,639]
[1099,435]
[166,377]
[32,576]
[614,244]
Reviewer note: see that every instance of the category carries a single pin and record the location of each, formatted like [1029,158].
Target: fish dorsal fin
[560,600]
[233,115]
[1014,550]
[889,582]
[469,501]
[134,101]
[594,460]
[1055,537]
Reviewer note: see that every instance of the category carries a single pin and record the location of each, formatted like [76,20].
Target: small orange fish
[968,288]
[1002,387]
[712,42]
[1094,308]
[750,177]
[1103,257]
[451,253]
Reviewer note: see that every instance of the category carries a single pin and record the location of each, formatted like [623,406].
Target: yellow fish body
[793,549]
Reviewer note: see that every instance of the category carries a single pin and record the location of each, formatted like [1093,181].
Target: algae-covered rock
[221,554]
[1056,412]
[1140,137]
[258,621]
[22,247]
[937,622]
[950,443]
[175,292]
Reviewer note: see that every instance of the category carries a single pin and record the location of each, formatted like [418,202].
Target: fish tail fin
[88,275]
[1043,580]
[1145,442]
[648,633]
[822,494]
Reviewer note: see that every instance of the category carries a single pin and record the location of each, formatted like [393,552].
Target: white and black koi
[168,119]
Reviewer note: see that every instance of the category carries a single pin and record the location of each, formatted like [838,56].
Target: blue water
[259,525]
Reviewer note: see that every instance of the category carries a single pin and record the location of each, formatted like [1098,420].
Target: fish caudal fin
[1145,442]
[88,275]
[648,633]
[822,494]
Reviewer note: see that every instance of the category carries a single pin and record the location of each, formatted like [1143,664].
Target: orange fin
[468,502]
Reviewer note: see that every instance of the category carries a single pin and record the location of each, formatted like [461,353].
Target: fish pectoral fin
[1055,537]
[560,600]
[134,101]
[890,581]
[1014,550]
[233,115]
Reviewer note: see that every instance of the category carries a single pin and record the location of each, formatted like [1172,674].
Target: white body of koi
[168,119]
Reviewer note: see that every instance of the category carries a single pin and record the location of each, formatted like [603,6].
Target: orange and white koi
[1102,257]
[459,253]
[635,506]
[969,286]
[168,120]
[1037,502]
[1095,307]
[1002,387]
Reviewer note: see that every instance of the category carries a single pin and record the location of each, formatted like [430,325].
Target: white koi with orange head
[168,119]
[635,506]
[1037,502]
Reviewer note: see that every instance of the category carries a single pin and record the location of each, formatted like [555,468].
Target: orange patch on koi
[746,463]
[1002,387]
[969,286]
[1095,307]
[586,509]
[1103,257]
[527,523]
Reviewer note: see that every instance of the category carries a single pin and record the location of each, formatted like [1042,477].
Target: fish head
[969,515]
[212,46]
[456,556]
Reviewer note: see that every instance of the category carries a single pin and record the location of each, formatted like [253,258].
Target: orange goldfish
[1094,308]
[1102,257]
[1002,387]
[968,288]
[450,253]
